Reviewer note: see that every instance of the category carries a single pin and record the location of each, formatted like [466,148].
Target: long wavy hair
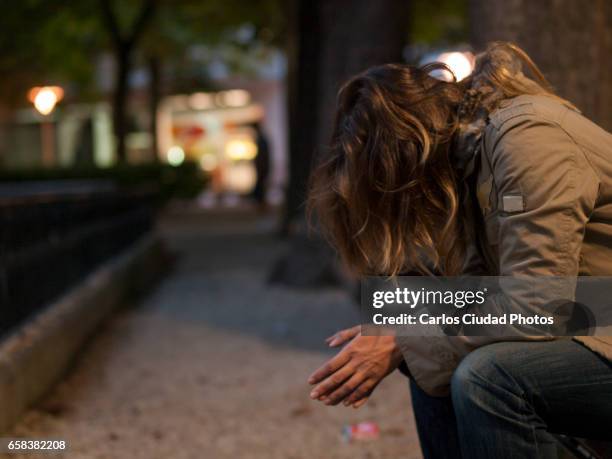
[385,192]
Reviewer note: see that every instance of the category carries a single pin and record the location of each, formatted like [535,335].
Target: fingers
[363,391]
[358,404]
[343,336]
[361,402]
[332,382]
[345,389]
[330,367]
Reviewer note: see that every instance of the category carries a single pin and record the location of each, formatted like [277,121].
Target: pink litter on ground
[360,431]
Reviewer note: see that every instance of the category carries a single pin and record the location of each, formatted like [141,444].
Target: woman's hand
[352,375]
[343,336]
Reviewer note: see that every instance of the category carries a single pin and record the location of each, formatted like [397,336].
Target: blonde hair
[386,193]
[500,70]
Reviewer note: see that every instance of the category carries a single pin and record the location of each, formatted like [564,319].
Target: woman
[494,175]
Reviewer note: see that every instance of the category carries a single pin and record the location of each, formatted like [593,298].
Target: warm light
[200,101]
[208,162]
[236,98]
[459,63]
[240,177]
[238,149]
[175,155]
[45,98]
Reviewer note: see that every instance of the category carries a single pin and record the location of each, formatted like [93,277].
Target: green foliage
[184,22]
[439,21]
[42,42]
[51,41]
[184,181]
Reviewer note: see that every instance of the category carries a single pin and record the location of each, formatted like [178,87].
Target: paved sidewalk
[213,364]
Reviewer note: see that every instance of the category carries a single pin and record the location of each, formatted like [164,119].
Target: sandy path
[213,364]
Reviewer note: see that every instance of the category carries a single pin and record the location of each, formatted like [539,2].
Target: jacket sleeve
[538,162]
[546,190]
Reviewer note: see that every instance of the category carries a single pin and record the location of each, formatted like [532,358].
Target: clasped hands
[352,375]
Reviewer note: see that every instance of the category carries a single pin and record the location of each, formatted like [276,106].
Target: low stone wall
[36,356]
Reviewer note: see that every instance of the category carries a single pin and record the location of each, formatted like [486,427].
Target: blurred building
[212,127]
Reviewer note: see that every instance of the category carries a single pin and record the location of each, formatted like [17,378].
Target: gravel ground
[213,363]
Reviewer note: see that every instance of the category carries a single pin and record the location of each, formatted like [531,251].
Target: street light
[461,64]
[45,98]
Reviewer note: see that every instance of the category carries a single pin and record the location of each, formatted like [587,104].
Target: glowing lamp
[45,98]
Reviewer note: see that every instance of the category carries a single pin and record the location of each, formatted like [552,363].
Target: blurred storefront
[207,116]
[214,130]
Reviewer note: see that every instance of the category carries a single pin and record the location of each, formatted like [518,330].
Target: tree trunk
[120,101]
[334,40]
[356,35]
[570,40]
[123,46]
[154,96]
[303,52]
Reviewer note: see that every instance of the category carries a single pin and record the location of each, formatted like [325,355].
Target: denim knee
[480,372]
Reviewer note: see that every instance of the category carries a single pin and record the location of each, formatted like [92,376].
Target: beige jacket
[544,192]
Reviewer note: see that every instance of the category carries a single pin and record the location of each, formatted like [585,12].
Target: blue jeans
[507,398]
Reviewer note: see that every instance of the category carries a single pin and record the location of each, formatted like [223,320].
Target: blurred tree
[154,98]
[182,27]
[570,40]
[328,46]
[438,22]
[46,42]
[164,30]
[124,41]
[303,68]
[60,41]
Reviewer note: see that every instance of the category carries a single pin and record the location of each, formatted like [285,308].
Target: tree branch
[146,12]
[110,20]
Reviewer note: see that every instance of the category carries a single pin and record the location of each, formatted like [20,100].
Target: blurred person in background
[262,167]
[84,155]
[416,179]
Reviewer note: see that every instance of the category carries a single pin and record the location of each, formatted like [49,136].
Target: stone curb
[37,355]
